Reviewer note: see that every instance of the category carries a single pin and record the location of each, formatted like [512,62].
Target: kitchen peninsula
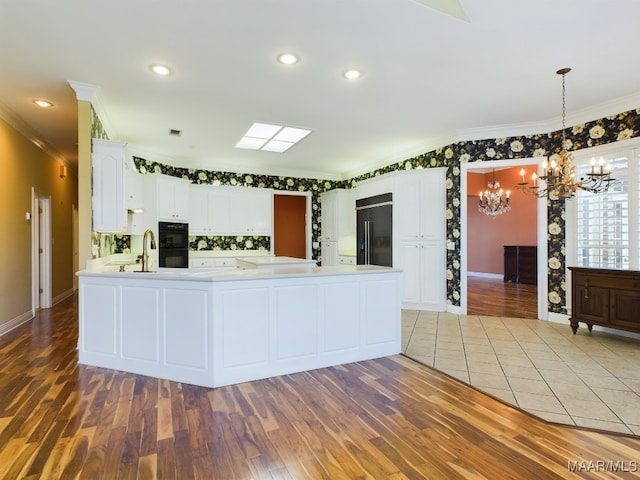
[219,327]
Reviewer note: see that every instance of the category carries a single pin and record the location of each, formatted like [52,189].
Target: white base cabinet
[160,329]
[214,331]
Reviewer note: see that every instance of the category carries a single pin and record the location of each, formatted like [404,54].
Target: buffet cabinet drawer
[608,298]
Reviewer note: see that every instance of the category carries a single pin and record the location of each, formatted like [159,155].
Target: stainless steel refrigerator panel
[374,234]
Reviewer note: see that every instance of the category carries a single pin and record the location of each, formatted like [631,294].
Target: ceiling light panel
[291,134]
[271,138]
[251,143]
[277,146]
[262,130]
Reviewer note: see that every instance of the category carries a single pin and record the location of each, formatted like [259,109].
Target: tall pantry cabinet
[338,223]
[419,219]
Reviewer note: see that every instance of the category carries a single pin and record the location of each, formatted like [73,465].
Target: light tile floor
[590,380]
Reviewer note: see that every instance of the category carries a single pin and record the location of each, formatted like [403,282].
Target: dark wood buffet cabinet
[609,298]
[521,264]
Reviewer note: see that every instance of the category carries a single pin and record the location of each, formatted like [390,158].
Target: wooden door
[289,224]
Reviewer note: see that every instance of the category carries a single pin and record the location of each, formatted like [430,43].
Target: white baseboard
[15,322]
[497,276]
[63,296]
[558,318]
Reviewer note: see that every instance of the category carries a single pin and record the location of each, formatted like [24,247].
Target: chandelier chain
[559,170]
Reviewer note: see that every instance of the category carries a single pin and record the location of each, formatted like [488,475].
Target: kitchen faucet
[145,256]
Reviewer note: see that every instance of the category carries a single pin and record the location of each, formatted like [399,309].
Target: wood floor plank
[388,418]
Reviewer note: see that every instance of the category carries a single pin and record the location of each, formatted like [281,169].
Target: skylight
[271,138]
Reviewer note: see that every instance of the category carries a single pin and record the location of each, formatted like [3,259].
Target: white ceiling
[429,78]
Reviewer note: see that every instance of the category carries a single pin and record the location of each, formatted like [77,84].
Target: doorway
[41,250]
[541,229]
[291,231]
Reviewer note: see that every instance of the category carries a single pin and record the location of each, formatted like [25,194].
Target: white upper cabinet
[419,201]
[250,211]
[199,211]
[108,196]
[375,186]
[173,198]
[224,210]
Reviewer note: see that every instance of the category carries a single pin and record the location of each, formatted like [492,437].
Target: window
[606,225]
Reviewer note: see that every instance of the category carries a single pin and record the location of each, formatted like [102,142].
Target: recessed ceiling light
[352,74]
[288,58]
[43,103]
[160,69]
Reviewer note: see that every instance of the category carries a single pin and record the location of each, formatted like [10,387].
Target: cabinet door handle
[586,289]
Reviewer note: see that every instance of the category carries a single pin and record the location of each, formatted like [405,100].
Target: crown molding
[429,145]
[18,123]
[589,114]
[84,91]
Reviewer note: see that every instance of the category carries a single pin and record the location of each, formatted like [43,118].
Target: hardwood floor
[388,418]
[494,297]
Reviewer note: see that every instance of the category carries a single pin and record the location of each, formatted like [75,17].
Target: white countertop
[224,274]
[275,261]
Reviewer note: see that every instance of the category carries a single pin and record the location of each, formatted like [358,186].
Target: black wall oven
[173,245]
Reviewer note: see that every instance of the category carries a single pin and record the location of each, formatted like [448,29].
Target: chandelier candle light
[493,201]
[559,171]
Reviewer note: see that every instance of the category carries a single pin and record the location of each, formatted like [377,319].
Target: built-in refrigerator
[374,230]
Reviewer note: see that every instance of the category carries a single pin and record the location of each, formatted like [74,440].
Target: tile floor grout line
[554,341]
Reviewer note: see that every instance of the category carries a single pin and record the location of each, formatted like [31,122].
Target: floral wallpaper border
[611,129]
[221,243]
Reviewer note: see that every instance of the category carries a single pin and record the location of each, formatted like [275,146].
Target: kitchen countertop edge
[220,275]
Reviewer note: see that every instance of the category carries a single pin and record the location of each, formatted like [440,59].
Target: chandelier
[494,201]
[559,171]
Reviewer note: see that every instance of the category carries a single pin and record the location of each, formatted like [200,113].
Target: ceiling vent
[175,133]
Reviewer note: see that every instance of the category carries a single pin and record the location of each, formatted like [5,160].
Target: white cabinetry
[108,196]
[338,224]
[173,198]
[216,330]
[374,186]
[217,210]
[346,260]
[250,211]
[161,329]
[419,204]
[202,209]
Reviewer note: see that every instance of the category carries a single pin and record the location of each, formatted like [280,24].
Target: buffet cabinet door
[591,304]
[625,305]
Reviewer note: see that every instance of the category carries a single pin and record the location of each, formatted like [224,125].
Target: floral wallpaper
[230,243]
[97,129]
[207,177]
[611,129]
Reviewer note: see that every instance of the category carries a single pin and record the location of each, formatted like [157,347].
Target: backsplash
[238,243]
[119,243]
